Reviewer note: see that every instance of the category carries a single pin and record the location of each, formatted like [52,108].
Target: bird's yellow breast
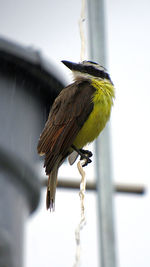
[103,100]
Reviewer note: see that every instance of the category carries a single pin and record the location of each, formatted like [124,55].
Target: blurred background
[52,28]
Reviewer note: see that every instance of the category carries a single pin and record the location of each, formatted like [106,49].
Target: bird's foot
[84,155]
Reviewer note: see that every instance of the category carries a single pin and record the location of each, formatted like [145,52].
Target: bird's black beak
[71,65]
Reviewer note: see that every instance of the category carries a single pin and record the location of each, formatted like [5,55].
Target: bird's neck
[104,88]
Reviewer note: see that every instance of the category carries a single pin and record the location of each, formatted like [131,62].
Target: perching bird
[78,115]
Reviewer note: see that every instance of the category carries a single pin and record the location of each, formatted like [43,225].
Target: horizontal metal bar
[118,187]
[130,188]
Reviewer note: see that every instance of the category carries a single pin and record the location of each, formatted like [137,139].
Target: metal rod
[138,189]
[97,51]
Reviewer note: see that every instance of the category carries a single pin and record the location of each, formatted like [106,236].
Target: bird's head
[87,70]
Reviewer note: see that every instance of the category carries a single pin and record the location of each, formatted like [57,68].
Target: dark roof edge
[31,60]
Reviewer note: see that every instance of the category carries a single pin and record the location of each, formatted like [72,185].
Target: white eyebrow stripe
[95,65]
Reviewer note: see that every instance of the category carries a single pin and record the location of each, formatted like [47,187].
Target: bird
[77,117]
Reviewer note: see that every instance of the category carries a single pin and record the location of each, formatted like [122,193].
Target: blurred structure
[28,86]
[98,53]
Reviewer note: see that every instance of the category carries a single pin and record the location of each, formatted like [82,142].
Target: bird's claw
[87,161]
[86,152]
[86,155]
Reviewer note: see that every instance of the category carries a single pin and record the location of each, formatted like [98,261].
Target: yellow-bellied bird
[77,117]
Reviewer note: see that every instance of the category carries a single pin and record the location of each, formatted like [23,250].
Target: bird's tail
[51,189]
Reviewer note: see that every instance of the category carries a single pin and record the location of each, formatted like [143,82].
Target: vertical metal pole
[96,25]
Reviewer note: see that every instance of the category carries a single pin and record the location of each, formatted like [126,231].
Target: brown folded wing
[68,114]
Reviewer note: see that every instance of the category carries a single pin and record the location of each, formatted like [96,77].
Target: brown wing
[68,114]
